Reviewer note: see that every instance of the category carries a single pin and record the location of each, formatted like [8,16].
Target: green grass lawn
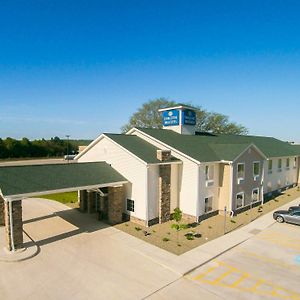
[65,198]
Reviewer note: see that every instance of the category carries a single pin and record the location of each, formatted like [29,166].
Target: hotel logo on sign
[171,117]
[189,117]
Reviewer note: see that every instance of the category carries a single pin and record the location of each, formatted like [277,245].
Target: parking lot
[266,266]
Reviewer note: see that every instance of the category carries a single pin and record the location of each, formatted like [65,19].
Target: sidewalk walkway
[194,258]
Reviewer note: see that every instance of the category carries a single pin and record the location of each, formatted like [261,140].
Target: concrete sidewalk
[194,258]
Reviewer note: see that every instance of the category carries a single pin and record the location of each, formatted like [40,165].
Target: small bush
[209,227]
[198,235]
[165,239]
[126,225]
[232,221]
[179,245]
[153,231]
[190,237]
[168,233]
[137,228]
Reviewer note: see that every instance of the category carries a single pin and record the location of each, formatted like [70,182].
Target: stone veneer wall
[1,211]
[164,182]
[115,204]
[82,200]
[164,186]
[17,224]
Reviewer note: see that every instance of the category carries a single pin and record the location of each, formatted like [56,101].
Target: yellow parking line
[205,273]
[238,281]
[217,280]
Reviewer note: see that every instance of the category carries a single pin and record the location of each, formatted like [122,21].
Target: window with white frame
[287,164]
[240,171]
[256,169]
[279,164]
[208,204]
[130,205]
[209,174]
[255,194]
[270,166]
[240,197]
[295,163]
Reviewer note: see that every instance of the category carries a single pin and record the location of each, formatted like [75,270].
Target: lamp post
[68,147]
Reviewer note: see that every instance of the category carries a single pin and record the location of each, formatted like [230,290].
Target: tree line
[148,116]
[24,148]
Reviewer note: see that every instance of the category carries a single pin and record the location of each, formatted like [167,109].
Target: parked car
[292,215]
[294,208]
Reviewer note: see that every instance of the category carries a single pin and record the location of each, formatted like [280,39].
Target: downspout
[198,194]
[231,186]
[262,185]
[11,226]
[147,196]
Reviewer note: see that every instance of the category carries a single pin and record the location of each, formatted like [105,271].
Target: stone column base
[1,211]
[115,204]
[17,224]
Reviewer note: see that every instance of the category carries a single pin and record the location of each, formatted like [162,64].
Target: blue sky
[83,67]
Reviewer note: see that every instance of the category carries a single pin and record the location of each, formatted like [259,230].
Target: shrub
[137,228]
[165,239]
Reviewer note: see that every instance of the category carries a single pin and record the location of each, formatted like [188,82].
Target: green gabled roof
[296,148]
[30,179]
[208,147]
[139,147]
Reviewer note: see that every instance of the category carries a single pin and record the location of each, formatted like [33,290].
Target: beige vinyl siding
[126,164]
[208,188]
[278,179]
[225,186]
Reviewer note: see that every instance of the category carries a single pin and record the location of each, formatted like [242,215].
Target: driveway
[79,259]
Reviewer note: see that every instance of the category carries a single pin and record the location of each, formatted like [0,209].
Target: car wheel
[280,219]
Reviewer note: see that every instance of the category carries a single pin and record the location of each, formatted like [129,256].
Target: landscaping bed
[196,234]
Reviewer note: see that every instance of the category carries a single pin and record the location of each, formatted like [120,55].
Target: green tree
[148,116]
[177,216]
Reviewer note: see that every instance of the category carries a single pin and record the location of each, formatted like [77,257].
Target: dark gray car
[290,216]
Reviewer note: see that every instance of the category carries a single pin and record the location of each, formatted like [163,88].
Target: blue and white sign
[170,117]
[189,117]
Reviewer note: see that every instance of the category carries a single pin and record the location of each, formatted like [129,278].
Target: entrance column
[13,224]
[164,186]
[1,211]
[115,204]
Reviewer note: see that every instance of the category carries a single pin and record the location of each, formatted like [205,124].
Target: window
[256,169]
[208,204]
[209,175]
[241,171]
[295,163]
[287,163]
[279,164]
[255,194]
[240,200]
[130,205]
[270,166]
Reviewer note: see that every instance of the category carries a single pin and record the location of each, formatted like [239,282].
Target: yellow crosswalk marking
[238,281]
[221,275]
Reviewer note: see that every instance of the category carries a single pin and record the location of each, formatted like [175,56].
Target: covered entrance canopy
[19,182]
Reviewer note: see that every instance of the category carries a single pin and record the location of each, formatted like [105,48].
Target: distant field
[65,198]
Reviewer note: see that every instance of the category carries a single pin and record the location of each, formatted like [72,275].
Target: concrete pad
[29,249]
